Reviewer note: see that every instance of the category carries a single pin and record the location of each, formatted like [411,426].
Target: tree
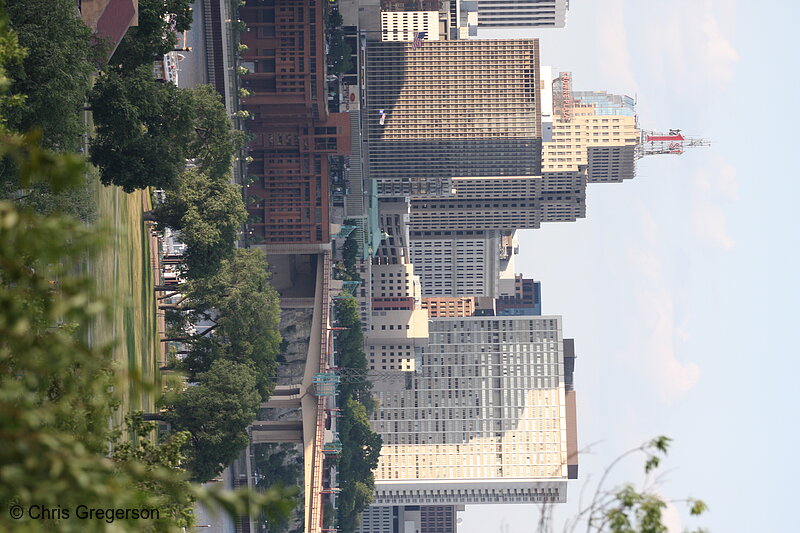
[216,411]
[156,33]
[57,390]
[75,201]
[143,128]
[624,508]
[350,347]
[340,53]
[55,73]
[209,214]
[215,141]
[245,310]
[11,55]
[360,445]
[165,454]
[350,255]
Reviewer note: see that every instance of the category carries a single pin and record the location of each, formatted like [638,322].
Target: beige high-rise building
[485,418]
[398,329]
[402,25]
[592,129]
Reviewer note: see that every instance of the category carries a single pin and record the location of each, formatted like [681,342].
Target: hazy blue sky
[680,285]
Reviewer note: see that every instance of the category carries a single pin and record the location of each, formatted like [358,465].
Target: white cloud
[672,377]
[725,179]
[717,182]
[646,262]
[689,49]
[720,54]
[656,333]
[613,47]
[709,223]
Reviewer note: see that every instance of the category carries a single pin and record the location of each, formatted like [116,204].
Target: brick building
[293,133]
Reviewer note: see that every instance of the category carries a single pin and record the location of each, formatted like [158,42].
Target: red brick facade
[293,132]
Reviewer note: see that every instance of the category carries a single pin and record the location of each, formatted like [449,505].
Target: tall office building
[410,518]
[398,326]
[505,14]
[457,263]
[594,129]
[484,420]
[404,25]
[451,109]
[292,132]
[503,203]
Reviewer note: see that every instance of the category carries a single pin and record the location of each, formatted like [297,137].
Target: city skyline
[668,256]
[357,247]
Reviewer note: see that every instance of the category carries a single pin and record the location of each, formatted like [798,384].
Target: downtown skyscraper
[489,416]
[451,109]
[506,14]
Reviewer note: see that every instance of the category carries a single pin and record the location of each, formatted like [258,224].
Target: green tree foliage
[56,393]
[360,453]
[215,141]
[57,390]
[625,508]
[216,412]
[335,19]
[143,127]
[276,464]
[245,309]
[156,34]
[280,464]
[75,201]
[350,347]
[166,454]
[11,54]
[54,74]
[209,213]
[349,256]
[360,445]
[340,53]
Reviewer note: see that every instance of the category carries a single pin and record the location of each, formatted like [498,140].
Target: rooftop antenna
[672,142]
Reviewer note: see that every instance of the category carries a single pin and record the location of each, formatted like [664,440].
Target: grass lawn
[122,272]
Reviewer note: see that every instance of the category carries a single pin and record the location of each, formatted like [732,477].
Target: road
[192,70]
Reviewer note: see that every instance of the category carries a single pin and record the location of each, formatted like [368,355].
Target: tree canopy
[361,446]
[57,391]
[245,310]
[214,141]
[340,53]
[209,214]
[55,72]
[160,21]
[142,126]
[216,412]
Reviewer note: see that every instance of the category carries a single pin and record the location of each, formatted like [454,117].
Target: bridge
[310,431]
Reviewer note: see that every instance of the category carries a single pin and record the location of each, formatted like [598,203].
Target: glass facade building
[606,103]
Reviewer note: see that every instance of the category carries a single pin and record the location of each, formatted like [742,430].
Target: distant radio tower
[674,142]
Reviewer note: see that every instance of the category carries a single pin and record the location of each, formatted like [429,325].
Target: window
[266,31]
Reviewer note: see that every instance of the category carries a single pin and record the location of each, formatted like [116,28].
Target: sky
[679,285]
